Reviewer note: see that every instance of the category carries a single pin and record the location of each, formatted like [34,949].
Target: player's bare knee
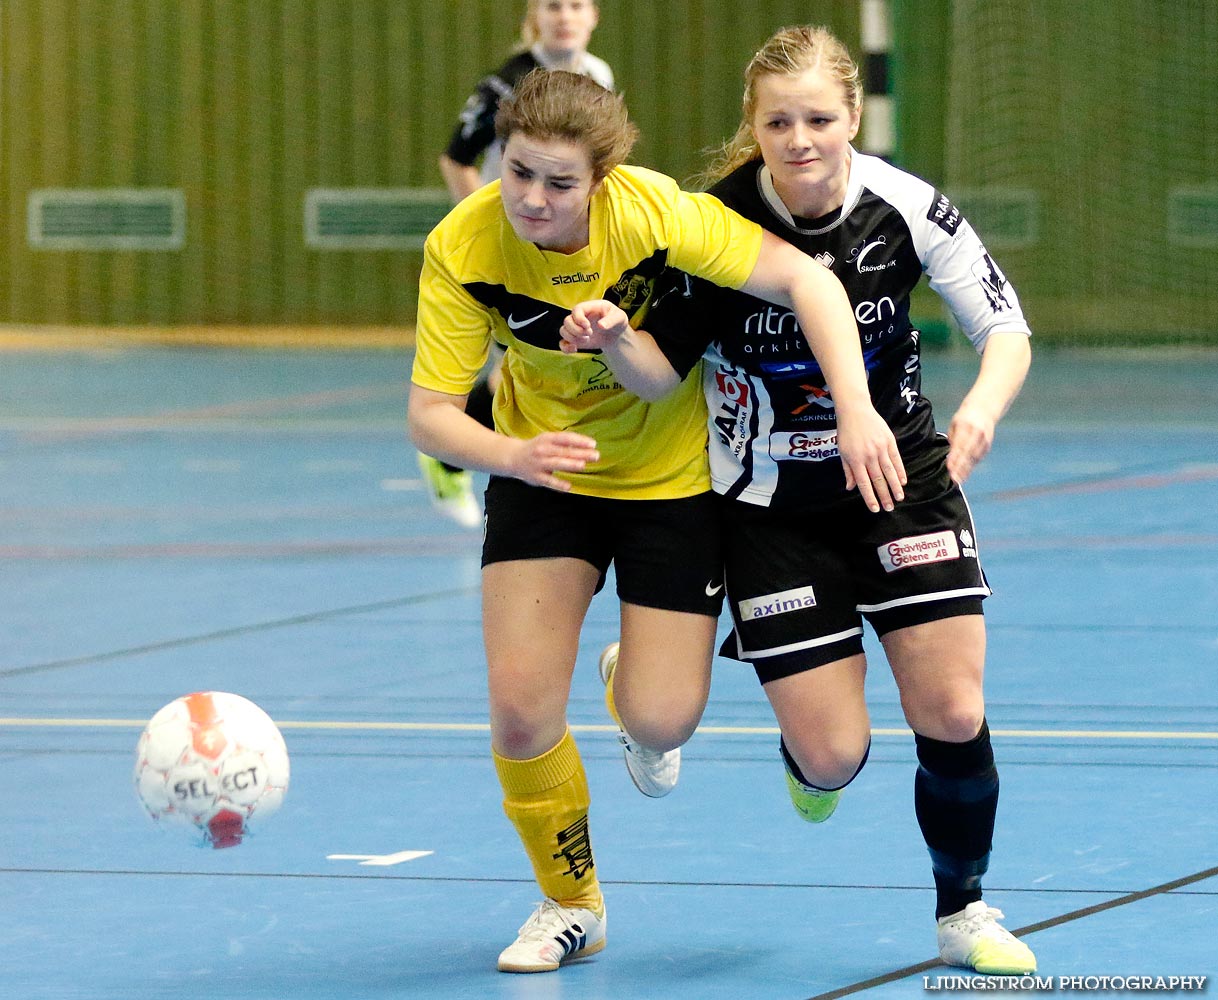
[520,735]
[515,744]
[658,730]
[660,720]
[955,720]
[963,725]
[829,762]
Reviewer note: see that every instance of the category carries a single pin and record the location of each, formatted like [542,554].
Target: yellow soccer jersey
[481,281]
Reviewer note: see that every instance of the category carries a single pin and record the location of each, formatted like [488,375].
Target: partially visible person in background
[554,35]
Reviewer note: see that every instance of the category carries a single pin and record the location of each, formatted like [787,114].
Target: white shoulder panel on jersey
[955,260]
[589,65]
[599,70]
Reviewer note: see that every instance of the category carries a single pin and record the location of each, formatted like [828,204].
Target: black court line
[228,633]
[844,991]
[1065,918]
[381,874]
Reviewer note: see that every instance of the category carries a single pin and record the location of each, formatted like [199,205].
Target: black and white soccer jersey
[773,432]
[475,131]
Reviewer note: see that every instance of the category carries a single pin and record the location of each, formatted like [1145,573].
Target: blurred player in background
[555,35]
[805,562]
[585,473]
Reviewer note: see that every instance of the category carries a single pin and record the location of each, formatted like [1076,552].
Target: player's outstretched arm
[1004,365]
[440,427]
[633,355]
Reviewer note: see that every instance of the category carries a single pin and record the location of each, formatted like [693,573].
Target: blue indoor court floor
[174,520]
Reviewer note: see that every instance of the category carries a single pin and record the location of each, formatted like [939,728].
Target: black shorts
[801,581]
[666,553]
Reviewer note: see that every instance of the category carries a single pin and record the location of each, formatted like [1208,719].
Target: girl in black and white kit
[806,560]
[554,35]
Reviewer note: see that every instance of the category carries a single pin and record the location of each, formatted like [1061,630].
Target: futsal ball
[211,762]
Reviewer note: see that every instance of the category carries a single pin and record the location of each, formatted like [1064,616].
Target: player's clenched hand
[537,459]
[971,435]
[592,326]
[871,459]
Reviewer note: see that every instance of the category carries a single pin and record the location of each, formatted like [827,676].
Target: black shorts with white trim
[801,581]
[666,553]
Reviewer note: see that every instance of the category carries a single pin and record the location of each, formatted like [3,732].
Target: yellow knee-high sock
[611,703]
[547,800]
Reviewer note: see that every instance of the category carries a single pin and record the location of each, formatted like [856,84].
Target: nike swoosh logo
[712,591]
[515,324]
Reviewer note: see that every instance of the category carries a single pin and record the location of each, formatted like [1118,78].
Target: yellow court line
[482,727]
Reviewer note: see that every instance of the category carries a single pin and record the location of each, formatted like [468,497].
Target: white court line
[482,727]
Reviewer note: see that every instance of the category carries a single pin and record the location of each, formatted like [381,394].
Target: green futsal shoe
[451,491]
[814,804]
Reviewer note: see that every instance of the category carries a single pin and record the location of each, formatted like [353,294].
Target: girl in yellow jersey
[585,473]
[555,34]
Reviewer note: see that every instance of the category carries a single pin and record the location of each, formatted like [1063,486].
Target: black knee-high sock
[478,405]
[956,799]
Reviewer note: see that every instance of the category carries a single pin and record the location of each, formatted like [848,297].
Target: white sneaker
[974,939]
[653,772]
[451,492]
[553,935]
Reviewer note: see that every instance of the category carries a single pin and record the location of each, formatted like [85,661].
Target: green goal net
[1080,137]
